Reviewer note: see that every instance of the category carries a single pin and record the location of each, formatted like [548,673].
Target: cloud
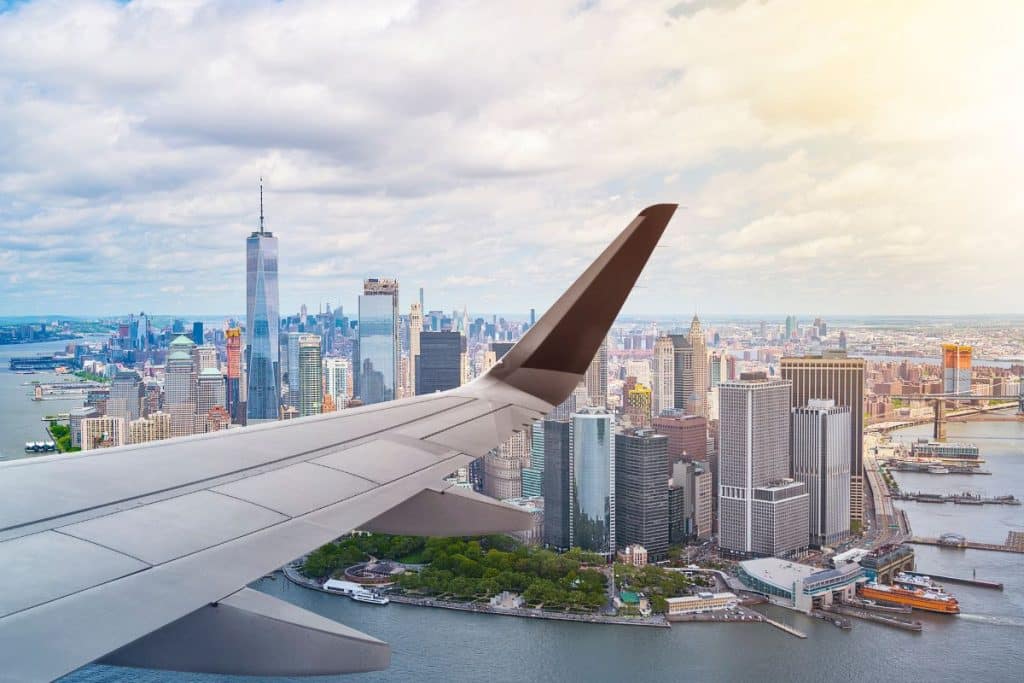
[470,147]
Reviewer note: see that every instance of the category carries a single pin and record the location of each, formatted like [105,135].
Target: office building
[503,466]
[687,435]
[311,380]
[292,366]
[638,406]
[820,447]
[338,380]
[533,475]
[834,376]
[690,501]
[691,370]
[205,357]
[956,369]
[415,327]
[75,417]
[757,501]
[102,432]
[197,333]
[234,397]
[592,482]
[377,366]
[126,392]
[262,324]
[556,483]
[596,378]
[180,387]
[210,393]
[641,491]
[663,380]
[439,362]
[154,427]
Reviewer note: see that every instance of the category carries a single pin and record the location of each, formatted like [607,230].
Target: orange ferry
[928,600]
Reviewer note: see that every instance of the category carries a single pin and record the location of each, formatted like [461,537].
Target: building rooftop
[781,573]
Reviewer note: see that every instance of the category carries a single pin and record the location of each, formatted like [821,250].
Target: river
[983,643]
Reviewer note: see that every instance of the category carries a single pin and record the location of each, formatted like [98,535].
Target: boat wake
[994,619]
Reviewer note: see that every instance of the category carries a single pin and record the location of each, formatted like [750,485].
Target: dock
[967,582]
[961,499]
[788,629]
[973,545]
[886,619]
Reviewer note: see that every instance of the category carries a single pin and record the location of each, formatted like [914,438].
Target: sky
[828,156]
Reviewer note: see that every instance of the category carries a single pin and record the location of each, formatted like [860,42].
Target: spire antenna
[261,205]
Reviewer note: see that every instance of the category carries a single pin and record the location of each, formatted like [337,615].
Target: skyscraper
[310,371]
[761,511]
[197,333]
[415,327]
[592,482]
[209,395]
[638,406]
[234,400]
[503,467]
[691,370]
[641,491]
[956,369]
[125,396]
[834,376]
[262,324]
[377,367]
[439,362]
[337,380]
[687,435]
[533,476]
[557,482]
[292,366]
[180,387]
[821,460]
[663,388]
[596,379]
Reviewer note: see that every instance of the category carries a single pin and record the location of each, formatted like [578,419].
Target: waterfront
[442,645]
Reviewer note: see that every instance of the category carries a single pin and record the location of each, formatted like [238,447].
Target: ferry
[355,591]
[912,581]
[918,598]
[938,469]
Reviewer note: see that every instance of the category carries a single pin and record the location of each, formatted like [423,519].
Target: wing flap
[452,512]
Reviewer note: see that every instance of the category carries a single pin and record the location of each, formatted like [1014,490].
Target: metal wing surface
[139,555]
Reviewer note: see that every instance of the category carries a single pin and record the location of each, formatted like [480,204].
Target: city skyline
[850,159]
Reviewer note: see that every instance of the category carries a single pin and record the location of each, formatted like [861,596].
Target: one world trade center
[262,323]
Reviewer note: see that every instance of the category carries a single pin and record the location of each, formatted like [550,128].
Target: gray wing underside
[140,554]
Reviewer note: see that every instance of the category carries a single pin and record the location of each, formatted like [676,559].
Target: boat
[937,469]
[912,581]
[918,598]
[355,591]
[372,597]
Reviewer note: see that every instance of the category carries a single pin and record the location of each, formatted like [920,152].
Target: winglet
[551,358]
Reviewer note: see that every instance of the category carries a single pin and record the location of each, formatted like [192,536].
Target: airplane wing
[140,555]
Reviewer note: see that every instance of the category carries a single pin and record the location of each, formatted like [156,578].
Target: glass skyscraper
[262,324]
[592,482]
[377,366]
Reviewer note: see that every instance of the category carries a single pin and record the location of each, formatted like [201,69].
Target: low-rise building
[634,554]
[799,586]
[701,602]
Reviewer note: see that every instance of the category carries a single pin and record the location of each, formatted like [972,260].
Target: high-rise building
[292,366]
[638,407]
[533,476]
[205,357]
[377,368]
[663,389]
[415,327]
[125,396]
[956,369]
[210,393]
[690,501]
[758,504]
[439,362]
[154,427]
[557,482]
[234,398]
[596,379]
[197,333]
[262,324]
[820,449]
[641,491]
[180,387]
[834,376]
[338,380]
[102,432]
[75,417]
[691,375]
[592,482]
[310,371]
[687,435]
[503,467]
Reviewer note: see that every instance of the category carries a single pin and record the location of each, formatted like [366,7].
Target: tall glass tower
[377,365]
[592,481]
[262,323]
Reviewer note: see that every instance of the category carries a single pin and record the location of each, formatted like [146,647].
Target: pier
[959,499]
[783,627]
[973,545]
[967,582]
[886,619]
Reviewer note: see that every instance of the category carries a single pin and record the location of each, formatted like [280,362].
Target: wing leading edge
[128,554]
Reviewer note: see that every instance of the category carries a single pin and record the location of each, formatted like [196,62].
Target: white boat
[938,469]
[371,597]
[916,581]
[355,591]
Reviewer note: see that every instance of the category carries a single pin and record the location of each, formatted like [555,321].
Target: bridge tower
[939,429]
